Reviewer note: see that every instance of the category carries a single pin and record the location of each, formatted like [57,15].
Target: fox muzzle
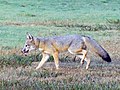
[24,51]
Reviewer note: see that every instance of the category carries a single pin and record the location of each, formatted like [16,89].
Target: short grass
[99,19]
[56,86]
[14,36]
[95,11]
[18,72]
[45,17]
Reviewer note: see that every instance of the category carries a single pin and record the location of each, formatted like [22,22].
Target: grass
[56,86]
[26,78]
[78,11]
[99,19]
[44,18]
[17,34]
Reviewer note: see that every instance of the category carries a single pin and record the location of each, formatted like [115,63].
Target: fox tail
[97,48]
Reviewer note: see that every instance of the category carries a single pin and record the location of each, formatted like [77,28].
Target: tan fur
[75,44]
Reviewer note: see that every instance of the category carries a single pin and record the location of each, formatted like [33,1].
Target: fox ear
[29,36]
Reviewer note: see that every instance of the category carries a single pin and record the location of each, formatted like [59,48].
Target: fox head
[29,44]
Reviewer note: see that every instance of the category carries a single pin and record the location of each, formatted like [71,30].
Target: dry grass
[99,73]
[58,17]
[109,25]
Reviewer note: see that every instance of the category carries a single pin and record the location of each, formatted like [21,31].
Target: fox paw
[82,62]
[37,68]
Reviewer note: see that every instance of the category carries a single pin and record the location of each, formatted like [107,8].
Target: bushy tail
[97,48]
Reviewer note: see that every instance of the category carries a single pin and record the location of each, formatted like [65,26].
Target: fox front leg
[44,59]
[56,60]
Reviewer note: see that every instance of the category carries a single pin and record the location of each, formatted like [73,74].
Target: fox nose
[23,50]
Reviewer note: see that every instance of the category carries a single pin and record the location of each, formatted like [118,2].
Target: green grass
[99,19]
[46,17]
[57,86]
[95,11]
[14,36]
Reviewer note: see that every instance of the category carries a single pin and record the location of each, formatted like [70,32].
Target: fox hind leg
[81,57]
[81,53]
[87,59]
[84,52]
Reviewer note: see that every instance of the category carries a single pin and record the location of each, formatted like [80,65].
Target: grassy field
[99,19]
[78,11]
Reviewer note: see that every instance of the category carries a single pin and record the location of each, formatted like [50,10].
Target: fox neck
[36,42]
[39,43]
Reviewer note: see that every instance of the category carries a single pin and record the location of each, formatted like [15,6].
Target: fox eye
[27,45]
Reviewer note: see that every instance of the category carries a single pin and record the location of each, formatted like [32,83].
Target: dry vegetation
[97,18]
[100,74]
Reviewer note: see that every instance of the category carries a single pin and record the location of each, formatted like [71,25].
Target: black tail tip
[107,58]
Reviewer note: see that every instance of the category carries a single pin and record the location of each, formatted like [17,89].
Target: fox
[75,44]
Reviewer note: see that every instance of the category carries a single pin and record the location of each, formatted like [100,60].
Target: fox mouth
[25,52]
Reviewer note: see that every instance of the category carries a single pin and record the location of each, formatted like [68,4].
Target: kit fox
[75,44]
